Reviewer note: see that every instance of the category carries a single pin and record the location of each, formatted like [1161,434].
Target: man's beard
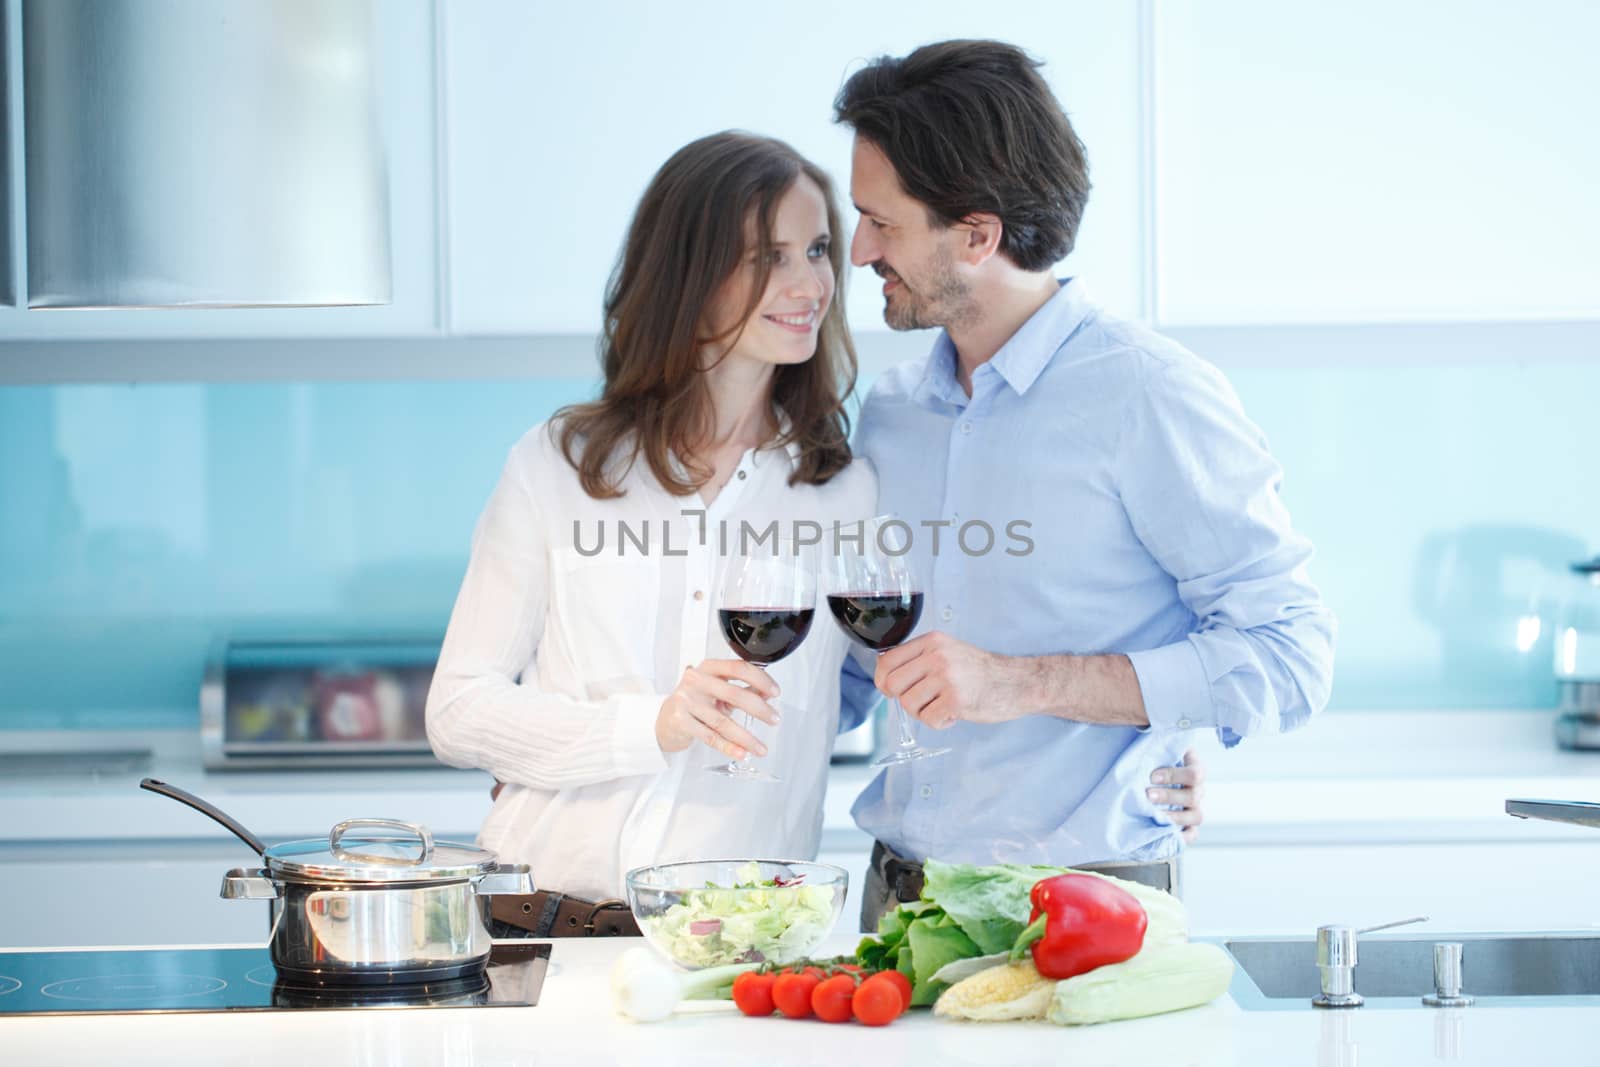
[943,299]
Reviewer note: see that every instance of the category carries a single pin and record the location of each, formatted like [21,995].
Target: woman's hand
[1183,787]
[699,709]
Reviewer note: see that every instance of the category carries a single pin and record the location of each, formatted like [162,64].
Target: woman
[592,682]
[727,363]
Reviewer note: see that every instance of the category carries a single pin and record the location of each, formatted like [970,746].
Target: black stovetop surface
[100,981]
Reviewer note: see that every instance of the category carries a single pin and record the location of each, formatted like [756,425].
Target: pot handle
[506,878]
[424,835]
[244,883]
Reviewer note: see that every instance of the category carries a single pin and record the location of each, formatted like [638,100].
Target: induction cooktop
[135,980]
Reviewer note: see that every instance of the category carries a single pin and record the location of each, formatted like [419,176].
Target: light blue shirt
[1152,507]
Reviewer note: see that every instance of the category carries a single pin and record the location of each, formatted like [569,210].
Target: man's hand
[1183,787]
[698,710]
[940,680]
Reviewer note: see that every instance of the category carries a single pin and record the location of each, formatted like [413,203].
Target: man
[1152,587]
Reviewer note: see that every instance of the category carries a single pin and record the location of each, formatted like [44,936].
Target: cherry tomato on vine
[876,1002]
[899,981]
[791,994]
[752,992]
[832,997]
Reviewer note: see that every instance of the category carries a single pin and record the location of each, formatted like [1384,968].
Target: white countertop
[574,1024]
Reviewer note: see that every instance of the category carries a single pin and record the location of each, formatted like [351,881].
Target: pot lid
[352,853]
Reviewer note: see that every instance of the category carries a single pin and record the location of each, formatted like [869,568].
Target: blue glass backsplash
[141,522]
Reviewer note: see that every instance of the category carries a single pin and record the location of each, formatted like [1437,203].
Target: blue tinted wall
[142,522]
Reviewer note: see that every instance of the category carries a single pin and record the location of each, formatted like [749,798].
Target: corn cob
[1007,991]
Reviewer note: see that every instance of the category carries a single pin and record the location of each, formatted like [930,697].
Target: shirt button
[1183,724]
[699,594]
[947,614]
[966,427]
[926,791]
[741,476]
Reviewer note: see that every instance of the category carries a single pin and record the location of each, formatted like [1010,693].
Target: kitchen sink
[1391,972]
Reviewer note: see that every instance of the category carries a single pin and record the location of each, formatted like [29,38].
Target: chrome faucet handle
[1336,961]
[1447,977]
[1580,812]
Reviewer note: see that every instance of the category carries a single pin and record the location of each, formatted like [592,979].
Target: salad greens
[753,920]
[969,911]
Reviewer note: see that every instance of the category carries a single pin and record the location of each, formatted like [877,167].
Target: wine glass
[877,598]
[765,603]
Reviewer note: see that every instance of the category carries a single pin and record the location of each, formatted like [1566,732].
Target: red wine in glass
[877,620]
[765,605]
[763,636]
[874,596]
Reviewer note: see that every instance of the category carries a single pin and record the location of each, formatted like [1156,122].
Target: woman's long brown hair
[687,238]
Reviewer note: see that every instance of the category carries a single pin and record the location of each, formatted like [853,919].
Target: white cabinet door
[559,114]
[1235,889]
[1373,161]
[405,31]
[111,893]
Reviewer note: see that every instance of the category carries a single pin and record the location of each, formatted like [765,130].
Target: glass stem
[749,724]
[903,723]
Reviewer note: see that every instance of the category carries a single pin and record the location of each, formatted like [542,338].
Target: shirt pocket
[605,610]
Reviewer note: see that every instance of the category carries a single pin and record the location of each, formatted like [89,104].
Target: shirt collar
[759,457]
[1022,358]
[791,449]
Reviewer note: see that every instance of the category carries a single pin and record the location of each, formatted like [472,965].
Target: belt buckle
[905,879]
[611,904]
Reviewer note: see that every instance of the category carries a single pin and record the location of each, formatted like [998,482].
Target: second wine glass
[765,605]
[875,595]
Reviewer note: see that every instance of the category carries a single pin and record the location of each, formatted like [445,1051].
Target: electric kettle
[1577,659]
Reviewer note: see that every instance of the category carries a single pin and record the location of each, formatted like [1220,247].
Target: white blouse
[557,661]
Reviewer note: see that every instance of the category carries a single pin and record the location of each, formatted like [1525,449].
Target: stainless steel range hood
[203,153]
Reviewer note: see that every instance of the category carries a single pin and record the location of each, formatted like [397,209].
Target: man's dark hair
[971,126]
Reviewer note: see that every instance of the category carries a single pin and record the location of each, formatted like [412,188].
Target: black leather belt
[902,876]
[546,914]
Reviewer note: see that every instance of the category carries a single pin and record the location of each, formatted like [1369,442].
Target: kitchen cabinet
[124,893]
[557,116]
[406,39]
[143,892]
[1375,162]
[166,893]
[1461,886]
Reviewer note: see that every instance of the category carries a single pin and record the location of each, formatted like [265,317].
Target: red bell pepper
[1081,922]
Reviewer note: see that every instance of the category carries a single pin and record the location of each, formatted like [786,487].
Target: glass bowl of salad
[706,913]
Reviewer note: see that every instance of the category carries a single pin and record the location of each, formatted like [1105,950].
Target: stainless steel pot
[357,908]
[367,908]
